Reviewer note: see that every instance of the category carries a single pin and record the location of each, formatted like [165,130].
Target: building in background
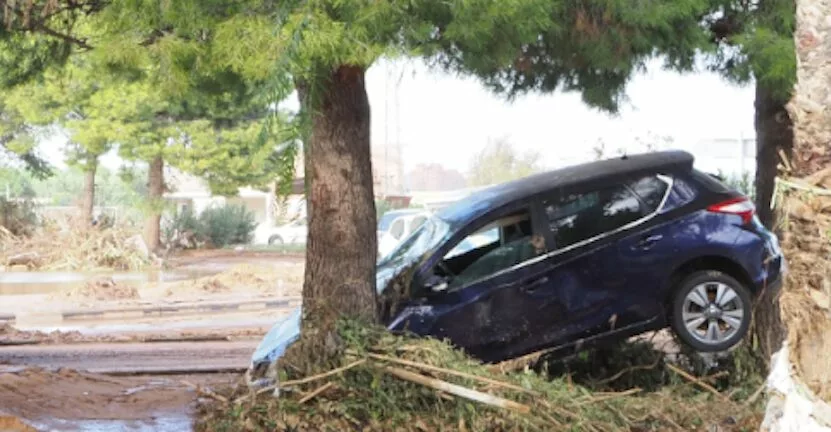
[731,156]
[387,170]
[434,177]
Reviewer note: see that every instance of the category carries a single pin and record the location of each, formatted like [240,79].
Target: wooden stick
[451,372]
[697,381]
[301,381]
[456,390]
[315,392]
[756,394]
[323,375]
[204,391]
[611,396]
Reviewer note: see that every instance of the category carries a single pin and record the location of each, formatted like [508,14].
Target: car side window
[651,190]
[417,221]
[497,246]
[397,229]
[577,217]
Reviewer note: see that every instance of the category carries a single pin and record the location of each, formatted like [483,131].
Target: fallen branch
[629,370]
[610,396]
[300,381]
[697,381]
[205,391]
[315,392]
[520,362]
[451,372]
[457,390]
[755,394]
[323,375]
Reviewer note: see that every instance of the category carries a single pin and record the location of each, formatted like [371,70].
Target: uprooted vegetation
[805,209]
[58,245]
[388,382]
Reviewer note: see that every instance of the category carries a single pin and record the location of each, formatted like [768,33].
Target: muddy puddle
[168,422]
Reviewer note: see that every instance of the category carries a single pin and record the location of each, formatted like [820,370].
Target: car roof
[597,172]
[404,211]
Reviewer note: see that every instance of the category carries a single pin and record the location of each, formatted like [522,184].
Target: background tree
[499,162]
[182,94]
[86,106]
[18,142]
[754,41]
[325,47]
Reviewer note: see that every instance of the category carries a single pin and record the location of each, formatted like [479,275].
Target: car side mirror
[436,284]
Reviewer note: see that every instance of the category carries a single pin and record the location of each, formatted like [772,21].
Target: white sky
[445,119]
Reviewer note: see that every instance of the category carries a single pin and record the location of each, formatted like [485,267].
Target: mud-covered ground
[50,368]
[72,400]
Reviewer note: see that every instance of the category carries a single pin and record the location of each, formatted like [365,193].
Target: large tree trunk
[341,248]
[88,203]
[774,134]
[155,194]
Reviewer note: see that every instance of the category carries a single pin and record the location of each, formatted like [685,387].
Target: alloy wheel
[713,312]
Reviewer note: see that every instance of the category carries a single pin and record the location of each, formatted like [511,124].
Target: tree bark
[341,248]
[88,203]
[774,133]
[155,192]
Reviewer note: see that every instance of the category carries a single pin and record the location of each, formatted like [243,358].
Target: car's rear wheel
[711,311]
[275,240]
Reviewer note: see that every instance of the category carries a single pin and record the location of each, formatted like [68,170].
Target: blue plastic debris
[277,340]
[287,330]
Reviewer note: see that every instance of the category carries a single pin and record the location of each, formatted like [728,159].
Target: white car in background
[294,232]
[394,226]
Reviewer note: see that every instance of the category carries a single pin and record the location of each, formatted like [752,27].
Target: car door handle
[534,285]
[647,242]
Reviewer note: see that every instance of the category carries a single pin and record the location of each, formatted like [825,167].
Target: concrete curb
[183,309]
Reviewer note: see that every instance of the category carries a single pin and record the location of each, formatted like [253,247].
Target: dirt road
[164,357]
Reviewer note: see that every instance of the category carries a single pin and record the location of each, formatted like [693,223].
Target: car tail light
[738,206]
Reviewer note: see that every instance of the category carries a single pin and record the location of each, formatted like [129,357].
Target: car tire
[711,311]
[276,241]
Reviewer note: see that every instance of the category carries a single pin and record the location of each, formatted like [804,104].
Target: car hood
[286,330]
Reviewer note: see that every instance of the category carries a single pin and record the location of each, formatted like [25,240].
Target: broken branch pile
[395,383]
[56,246]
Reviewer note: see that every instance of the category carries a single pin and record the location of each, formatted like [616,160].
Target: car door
[493,304]
[586,275]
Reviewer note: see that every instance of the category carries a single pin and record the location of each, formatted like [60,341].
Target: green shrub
[227,225]
[182,222]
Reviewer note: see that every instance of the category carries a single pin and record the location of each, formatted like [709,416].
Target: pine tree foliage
[754,40]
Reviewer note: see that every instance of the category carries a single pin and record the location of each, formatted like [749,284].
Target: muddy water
[165,421]
[17,283]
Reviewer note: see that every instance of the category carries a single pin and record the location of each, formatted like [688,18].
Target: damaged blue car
[589,253]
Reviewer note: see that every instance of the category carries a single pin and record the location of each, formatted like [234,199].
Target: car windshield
[425,238]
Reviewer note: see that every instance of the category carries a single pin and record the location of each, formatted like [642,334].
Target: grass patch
[370,395]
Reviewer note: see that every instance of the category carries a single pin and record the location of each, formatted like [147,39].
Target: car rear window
[709,182]
[651,190]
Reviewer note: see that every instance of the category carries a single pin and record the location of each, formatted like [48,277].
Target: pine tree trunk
[774,133]
[88,203]
[341,247]
[155,192]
